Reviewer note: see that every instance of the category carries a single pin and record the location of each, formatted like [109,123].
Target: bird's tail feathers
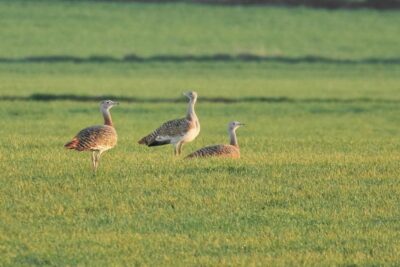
[143,141]
[72,144]
[148,139]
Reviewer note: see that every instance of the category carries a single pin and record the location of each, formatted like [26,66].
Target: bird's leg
[176,150]
[180,145]
[94,160]
[98,154]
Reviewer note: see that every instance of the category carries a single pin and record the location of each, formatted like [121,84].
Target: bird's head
[192,95]
[232,126]
[107,104]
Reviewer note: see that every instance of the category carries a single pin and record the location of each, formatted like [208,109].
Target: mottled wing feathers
[216,151]
[167,132]
[99,137]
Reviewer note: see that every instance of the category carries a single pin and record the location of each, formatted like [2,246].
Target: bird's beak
[185,94]
[242,124]
[115,103]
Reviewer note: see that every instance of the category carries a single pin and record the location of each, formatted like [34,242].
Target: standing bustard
[176,132]
[97,138]
[228,151]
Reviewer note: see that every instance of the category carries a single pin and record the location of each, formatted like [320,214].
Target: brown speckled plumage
[223,151]
[170,128]
[176,132]
[97,138]
[228,151]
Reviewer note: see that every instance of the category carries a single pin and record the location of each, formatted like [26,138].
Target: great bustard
[97,138]
[228,151]
[176,132]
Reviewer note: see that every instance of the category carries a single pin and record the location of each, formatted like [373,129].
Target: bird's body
[94,138]
[98,138]
[173,132]
[224,151]
[176,132]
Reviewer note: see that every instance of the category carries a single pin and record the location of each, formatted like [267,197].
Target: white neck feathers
[107,116]
[232,135]
[191,114]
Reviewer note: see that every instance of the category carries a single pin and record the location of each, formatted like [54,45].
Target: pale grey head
[192,95]
[107,104]
[232,126]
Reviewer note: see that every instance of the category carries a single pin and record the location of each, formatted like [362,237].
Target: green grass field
[318,182]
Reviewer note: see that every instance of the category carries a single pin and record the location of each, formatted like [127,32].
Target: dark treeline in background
[374,4]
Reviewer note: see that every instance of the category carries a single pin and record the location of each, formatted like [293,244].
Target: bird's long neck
[107,117]
[232,135]
[191,114]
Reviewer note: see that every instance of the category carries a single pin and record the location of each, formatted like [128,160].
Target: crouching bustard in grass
[97,138]
[176,132]
[228,151]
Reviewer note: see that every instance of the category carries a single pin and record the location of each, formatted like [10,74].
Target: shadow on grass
[227,100]
[132,58]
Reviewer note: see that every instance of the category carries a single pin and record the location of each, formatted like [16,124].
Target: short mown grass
[84,28]
[317,183]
